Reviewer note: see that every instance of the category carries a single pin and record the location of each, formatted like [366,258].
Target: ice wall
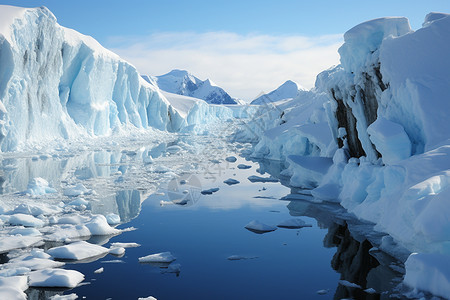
[56,83]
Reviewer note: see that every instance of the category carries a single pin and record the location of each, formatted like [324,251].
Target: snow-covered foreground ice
[373,136]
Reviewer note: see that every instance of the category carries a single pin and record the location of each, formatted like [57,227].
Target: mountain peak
[289,89]
[182,82]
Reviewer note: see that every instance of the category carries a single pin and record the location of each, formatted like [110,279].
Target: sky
[245,47]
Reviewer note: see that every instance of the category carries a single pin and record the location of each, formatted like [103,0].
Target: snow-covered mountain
[287,90]
[184,83]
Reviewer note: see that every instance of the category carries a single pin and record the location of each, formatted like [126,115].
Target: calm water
[206,229]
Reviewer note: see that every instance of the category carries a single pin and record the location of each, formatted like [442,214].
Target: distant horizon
[245,48]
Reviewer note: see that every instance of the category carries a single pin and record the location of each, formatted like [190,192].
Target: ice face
[57,84]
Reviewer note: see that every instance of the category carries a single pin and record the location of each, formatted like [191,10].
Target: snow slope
[184,83]
[287,90]
[386,109]
[56,83]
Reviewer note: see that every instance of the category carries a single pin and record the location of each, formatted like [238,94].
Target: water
[202,231]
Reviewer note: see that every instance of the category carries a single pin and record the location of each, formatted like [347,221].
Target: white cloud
[244,65]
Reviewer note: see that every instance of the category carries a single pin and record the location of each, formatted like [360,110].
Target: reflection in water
[128,204]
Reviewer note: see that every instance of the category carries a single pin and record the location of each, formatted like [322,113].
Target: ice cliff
[374,135]
[57,83]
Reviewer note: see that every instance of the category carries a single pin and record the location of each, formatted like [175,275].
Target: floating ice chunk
[293,224]
[390,139]
[163,257]
[72,296]
[99,271]
[349,284]
[36,260]
[99,226]
[231,181]
[429,272]
[173,149]
[125,245]
[148,298]
[78,251]
[161,169]
[118,251]
[323,292]
[209,191]
[38,187]
[76,190]
[14,272]
[25,220]
[240,257]
[73,219]
[35,210]
[243,167]
[66,232]
[25,231]
[231,159]
[255,178]
[258,227]
[79,202]
[370,291]
[13,287]
[55,278]
[113,219]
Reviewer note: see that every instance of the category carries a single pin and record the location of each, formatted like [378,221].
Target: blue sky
[260,42]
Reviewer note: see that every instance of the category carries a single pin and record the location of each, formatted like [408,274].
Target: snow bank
[429,272]
[13,287]
[78,251]
[56,83]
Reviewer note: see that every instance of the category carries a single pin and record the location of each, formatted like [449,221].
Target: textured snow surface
[55,278]
[77,251]
[429,272]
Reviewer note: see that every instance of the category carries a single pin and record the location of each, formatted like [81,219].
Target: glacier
[379,117]
[57,84]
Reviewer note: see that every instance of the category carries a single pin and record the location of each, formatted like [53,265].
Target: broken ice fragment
[231,181]
[78,251]
[258,227]
[55,278]
[293,224]
[209,191]
[255,178]
[231,159]
[163,257]
[243,167]
[349,284]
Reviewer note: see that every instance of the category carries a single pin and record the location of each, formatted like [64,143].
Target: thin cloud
[244,65]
